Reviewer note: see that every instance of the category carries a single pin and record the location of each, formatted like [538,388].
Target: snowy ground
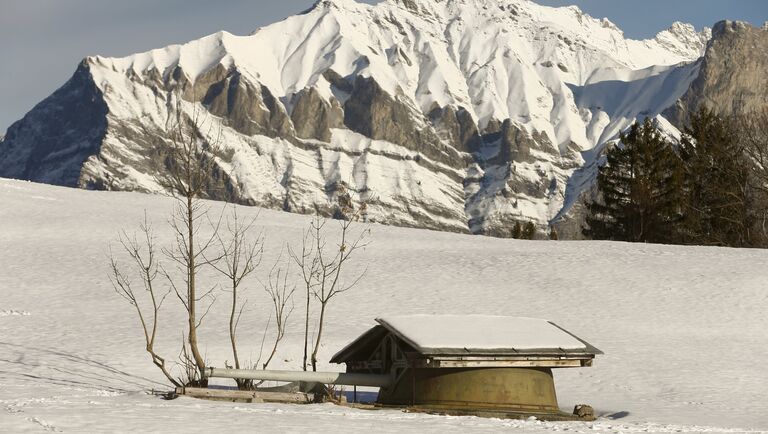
[684,329]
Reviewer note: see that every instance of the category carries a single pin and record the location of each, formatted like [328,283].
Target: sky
[42,41]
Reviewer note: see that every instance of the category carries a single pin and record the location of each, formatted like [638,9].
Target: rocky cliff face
[459,115]
[53,141]
[733,78]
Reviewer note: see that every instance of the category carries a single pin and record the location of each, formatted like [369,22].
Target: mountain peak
[437,113]
[340,4]
[680,27]
[684,39]
[731,26]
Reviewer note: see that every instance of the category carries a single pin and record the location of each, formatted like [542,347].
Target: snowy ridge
[434,52]
[499,101]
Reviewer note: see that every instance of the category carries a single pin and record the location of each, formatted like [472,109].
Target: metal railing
[366,380]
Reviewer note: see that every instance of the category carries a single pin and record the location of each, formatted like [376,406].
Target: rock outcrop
[374,113]
[732,78]
[314,117]
[52,142]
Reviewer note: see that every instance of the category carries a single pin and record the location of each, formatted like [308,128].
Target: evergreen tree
[517,231]
[720,206]
[639,190]
[753,135]
[529,232]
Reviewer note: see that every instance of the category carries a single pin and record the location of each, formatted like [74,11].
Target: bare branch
[144,258]
[236,259]
[281,293]
[323,268]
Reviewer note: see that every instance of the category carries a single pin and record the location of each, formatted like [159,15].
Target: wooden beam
[245,395]
[505,358]
[498,364]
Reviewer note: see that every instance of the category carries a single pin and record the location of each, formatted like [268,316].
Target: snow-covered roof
[482,333]
[464,335]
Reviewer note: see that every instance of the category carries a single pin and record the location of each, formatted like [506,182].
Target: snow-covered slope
[683,328]
[462,115]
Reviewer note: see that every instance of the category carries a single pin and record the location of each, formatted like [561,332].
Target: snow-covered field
[684,329]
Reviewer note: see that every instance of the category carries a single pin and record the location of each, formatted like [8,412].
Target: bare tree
[189,155]
[308,264]
[239,258]
[144,256]
[281,292]
[331,265]
[323,267]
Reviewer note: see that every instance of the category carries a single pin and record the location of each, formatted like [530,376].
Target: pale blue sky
[41,41]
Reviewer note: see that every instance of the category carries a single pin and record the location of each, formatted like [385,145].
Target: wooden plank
[246,395]
[291,398]
[204,393]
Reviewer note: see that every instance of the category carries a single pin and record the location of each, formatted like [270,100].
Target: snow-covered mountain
[459,115]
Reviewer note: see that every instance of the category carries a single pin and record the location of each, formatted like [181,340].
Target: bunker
[468,364]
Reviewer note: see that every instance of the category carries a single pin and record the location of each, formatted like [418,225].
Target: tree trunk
[232,325]
[241,384]
[191,274]
[306,333]
[319,336]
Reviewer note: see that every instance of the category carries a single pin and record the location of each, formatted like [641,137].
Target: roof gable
[362,347]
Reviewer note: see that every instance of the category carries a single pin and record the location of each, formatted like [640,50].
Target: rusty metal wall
[512,389]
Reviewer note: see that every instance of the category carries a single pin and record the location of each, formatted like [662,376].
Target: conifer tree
[753,135]
[529,231]
[720,200]
[517,231]
[639,190]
